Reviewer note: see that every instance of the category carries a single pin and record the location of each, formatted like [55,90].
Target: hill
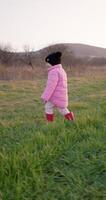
[87,50]
[74,54]
[79,50]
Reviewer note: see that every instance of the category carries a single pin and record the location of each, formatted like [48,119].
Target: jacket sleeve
[50,86]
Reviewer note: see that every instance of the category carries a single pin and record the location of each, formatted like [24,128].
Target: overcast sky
[38,23]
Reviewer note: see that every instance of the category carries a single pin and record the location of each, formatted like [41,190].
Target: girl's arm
[50,86]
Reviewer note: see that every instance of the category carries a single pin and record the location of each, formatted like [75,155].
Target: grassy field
[61,161]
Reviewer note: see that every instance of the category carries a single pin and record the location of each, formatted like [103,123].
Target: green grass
[61,161]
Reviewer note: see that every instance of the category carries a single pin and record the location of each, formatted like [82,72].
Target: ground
[61,161]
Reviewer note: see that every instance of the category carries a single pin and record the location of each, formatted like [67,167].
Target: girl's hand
[44,101]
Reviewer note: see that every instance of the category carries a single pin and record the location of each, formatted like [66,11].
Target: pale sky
[39,23]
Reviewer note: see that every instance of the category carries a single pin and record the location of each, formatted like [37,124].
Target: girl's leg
[67,114]
[49,111]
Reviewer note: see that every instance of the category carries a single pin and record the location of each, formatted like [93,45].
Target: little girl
[55,93]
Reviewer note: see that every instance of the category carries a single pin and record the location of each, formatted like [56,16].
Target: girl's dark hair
[54,58]
[58,54]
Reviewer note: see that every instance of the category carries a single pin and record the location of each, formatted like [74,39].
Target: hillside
[87,50]
[79,50]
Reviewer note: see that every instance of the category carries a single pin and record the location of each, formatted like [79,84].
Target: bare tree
[5,54]
[28,59]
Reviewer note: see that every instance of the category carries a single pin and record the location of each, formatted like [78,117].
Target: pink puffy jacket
[56,87]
